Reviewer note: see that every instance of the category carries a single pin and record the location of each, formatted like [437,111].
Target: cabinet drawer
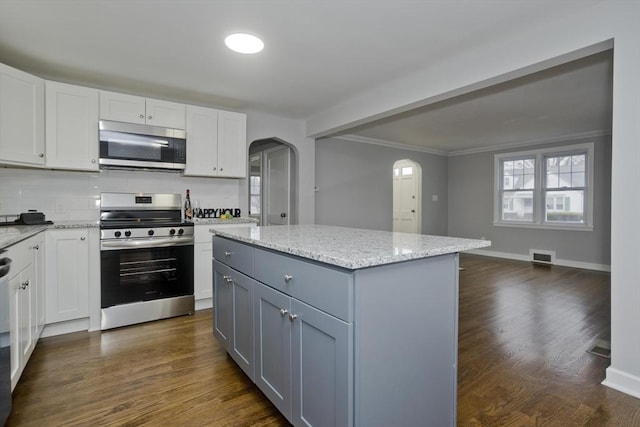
[234,254]
[325,288]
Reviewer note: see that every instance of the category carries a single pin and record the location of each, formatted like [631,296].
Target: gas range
[136,219]
[146,258]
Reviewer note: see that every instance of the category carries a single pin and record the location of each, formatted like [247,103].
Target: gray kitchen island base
[335,346]
[405,351]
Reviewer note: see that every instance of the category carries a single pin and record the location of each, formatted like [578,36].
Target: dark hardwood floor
[523,335]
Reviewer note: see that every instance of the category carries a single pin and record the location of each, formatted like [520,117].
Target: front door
[406,197]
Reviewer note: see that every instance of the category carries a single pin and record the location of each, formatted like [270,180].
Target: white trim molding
[390,144]
[557,261]
[623,382]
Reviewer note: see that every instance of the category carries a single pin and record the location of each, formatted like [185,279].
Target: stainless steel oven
[146,255]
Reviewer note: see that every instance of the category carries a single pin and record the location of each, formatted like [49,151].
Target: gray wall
[355,188]
[471,210]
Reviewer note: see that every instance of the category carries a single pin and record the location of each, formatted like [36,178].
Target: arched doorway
[272,185]
[407,196]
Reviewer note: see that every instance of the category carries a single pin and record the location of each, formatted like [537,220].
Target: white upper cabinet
[232,144]
[21,118]
[216,143]
[121,107]
[71,127]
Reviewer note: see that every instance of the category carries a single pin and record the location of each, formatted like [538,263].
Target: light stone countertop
[230,221]
[13,234]
[350,248]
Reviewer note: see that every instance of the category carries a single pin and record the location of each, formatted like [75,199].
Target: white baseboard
[623,382]
[203,304]
[61,328]
[558,261]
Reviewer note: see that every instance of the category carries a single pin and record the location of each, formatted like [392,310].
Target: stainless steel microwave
[133,145]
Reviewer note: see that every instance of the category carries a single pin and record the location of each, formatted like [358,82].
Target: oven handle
[112,245]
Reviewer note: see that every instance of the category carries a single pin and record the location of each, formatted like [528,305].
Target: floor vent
[542,257]
[601,348]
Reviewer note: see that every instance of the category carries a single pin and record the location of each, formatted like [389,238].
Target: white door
[407,186]
[277,186]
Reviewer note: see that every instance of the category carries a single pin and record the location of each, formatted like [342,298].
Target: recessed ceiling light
[244,43]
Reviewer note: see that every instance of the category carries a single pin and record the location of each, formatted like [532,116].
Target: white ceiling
[318,54]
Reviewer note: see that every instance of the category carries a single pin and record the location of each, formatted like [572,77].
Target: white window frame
[538,191]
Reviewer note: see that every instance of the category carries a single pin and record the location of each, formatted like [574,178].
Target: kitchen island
[341,326]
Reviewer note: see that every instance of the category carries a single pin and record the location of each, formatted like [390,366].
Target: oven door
[145,274]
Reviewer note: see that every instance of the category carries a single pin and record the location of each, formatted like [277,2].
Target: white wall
[589,30]
[263,126]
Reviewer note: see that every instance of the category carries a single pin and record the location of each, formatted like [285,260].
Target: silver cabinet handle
[227,279]
[149,117]
[141,116]
[221,169]
[215,168]
[41,155]
[24,285]
[93,160]
[283,312]
[292,317]
[288,278]
[36,247]
[227,253]
[82,238]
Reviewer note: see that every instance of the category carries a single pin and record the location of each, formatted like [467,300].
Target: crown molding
[491,148]
[531,143]
[391,144]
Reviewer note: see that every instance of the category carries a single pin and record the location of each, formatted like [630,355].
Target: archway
[272,184]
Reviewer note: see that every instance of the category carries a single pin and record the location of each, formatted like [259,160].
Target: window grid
[545,188]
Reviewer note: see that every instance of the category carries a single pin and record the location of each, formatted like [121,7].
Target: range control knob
[180,231]
[172,231]
[127,233]
[117,234]
[150,232]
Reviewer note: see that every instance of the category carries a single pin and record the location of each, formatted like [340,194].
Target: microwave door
[128,149]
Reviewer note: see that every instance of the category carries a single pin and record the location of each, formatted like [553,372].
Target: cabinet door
[36,246]
[71,127]
[121,107]
[322,368]
[243,339]
[273,346]
[22,342]
[67,267]
[202,141]
[232,144]
[222,306]
[165,114]
[202,272]
[21,117]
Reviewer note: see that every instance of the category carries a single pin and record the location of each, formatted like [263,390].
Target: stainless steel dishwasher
[5,341]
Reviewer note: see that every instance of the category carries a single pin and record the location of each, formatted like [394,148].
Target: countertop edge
[468,244]
[26,231]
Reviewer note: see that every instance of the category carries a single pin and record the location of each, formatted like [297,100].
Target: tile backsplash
[66,195]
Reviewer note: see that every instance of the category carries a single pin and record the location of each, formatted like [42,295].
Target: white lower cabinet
[67,273]
[202,253]
[25,292]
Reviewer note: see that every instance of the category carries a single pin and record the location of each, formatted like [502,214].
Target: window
[549,188]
